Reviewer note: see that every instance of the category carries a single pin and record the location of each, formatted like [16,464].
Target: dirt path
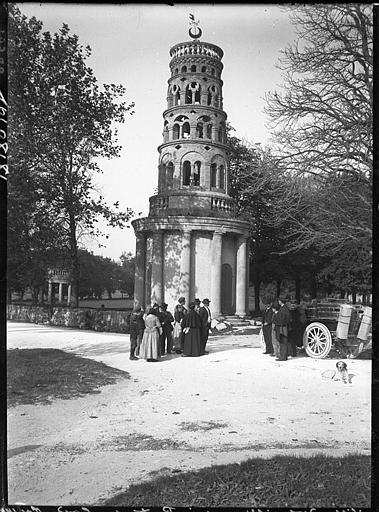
[176,415]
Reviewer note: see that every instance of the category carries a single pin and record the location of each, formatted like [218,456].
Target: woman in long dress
[177,335]
[191,328]
[150,348]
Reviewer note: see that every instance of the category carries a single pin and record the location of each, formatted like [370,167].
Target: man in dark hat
[197,305]
[206,319]
[166,319]
[281,322]
[137,326]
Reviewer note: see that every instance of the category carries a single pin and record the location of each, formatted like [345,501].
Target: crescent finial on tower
[195,31]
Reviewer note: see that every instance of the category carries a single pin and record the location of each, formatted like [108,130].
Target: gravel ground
[176,415]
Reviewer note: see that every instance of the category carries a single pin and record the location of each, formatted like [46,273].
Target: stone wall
[92,319]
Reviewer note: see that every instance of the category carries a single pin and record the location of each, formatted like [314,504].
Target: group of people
[157,332]
[283,328]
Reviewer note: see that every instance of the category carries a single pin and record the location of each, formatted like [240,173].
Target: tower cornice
[196,48]
[186,107]
[191,142]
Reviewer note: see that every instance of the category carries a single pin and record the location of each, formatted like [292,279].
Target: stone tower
[191,244]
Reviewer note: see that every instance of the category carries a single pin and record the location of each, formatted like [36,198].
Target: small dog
[342,371]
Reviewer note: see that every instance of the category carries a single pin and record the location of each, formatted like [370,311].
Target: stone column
[218,179]
[157,268]
[214,133]
[50,292]
[139,276]
[216,274]
[205,179]
[241,276]
[185,265]
[69,295]
[60,294]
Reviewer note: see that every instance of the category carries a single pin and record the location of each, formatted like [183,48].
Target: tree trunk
[35,292]
[75,268]
[297,289]
[354,296]
[257,285]
[313,287]
[278,283]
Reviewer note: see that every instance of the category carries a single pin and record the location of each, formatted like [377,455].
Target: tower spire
[195,31]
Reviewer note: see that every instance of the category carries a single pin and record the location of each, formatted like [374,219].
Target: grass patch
[42,375]
[282,481]
[202,425]
[138,442]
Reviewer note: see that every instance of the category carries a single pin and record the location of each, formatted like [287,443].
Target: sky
[130,46]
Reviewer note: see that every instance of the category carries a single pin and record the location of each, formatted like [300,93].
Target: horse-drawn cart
[346,327]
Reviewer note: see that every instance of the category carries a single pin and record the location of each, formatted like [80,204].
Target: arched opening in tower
[165,132]
[186,131]
[186,172]
[196,173]
[222,176]
[175,131]
[176,95]
[214,175]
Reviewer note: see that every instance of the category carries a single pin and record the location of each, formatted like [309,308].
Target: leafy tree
[97,275]
[34,238]
[251,186]
[259,183]
[66,126]
[126,273]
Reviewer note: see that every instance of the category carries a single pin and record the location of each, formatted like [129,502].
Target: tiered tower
[192,244]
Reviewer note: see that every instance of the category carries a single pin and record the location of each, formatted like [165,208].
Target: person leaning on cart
[281,322]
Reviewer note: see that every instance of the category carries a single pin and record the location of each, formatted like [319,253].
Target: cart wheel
[317,340]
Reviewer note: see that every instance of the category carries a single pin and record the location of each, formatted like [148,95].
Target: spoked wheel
[317,340]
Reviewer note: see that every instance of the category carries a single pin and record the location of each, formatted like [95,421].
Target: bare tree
[322,117]
[322,126]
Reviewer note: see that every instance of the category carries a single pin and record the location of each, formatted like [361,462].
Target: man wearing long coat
[281,322]
[166,319]
[206,319]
